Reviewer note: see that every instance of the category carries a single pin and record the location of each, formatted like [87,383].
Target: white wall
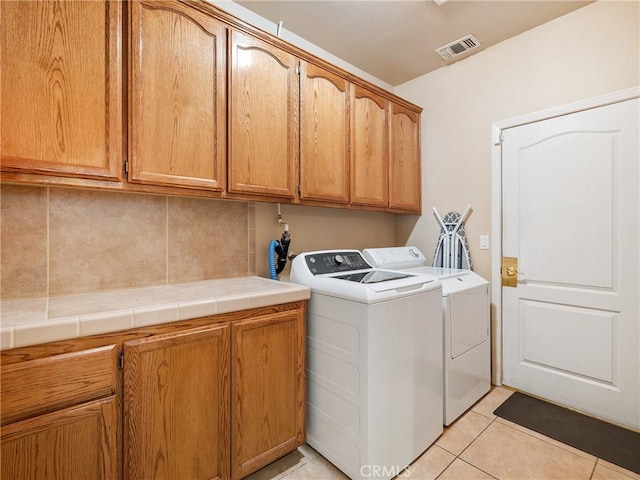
[268,26]
[319,228]
[589,52]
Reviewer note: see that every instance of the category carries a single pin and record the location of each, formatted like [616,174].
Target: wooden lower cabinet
[215,402]
[176,405]
[60,414]
[209,398]
[75,443]
[268,389]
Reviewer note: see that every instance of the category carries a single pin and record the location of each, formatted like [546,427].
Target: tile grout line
[593,470]
[471,443]
[166,242]
[48,210]
[471,465]
[448,464]
[285,474]
[476,438]
[455,457]
[48,255]
[249,239]
[543,438]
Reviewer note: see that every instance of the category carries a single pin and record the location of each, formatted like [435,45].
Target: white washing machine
[465,307]
[374,362]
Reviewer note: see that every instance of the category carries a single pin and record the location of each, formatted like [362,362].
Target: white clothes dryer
[374,362]
[466,337]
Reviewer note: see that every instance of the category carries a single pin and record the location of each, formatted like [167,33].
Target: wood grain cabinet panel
[324,135]
[405,193]
[156,402]
[177,109]
[263,124]
[369,149]
[268,389]
[44,385]
[176,405]
[76,443]
[61,88]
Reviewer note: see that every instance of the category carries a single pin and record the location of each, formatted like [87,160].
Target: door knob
[509,272]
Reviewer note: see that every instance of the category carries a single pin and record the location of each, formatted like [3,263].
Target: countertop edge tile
[6,338]
[197,309]
[232,304]
[50,331]
[97,323]
[145,316]
[27,322]
[22,311]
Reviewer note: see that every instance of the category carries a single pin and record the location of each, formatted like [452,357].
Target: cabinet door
[263,126]
[369,152]
[404,163]
[61,88]
[176,405]
[268,389]
[324,135]
[177,128]
[74,443]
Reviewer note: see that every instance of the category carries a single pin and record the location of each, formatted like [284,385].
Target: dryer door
[469,317]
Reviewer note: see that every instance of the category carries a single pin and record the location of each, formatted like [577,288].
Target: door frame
[496,203]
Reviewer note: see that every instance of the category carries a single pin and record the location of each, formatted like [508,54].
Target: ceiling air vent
[459,46]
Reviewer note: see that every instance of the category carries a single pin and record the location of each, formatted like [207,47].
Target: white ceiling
[395,40]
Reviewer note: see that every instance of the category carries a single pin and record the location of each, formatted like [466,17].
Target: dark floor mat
[601,439]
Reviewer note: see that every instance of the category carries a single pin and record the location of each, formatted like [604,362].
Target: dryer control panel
[335,261]
[395,257]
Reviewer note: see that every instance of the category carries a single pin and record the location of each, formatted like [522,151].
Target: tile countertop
[41,320]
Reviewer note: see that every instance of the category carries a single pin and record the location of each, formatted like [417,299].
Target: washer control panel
[333,262]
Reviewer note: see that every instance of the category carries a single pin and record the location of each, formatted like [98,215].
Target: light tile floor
[478,445]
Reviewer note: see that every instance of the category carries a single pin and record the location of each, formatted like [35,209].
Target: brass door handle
[509,272]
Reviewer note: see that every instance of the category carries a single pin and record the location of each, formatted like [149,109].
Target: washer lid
[347,283]
[372,276]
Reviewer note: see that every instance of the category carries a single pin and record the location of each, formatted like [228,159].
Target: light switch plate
[484,242]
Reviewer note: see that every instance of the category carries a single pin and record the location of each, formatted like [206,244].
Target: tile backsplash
[58,241]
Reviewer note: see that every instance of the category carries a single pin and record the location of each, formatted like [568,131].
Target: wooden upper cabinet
[176,405]
[324,135]
[177,110]
[61,88]
[263,124]
[405,180]
[369,151]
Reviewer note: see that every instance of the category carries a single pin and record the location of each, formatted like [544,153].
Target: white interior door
[570,215]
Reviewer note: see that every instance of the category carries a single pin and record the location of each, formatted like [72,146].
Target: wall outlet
[484,242]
